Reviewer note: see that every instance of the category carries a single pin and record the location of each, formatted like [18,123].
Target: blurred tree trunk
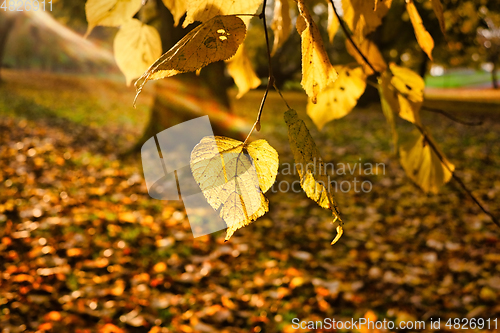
[494,77]
[188,96]
[6,24]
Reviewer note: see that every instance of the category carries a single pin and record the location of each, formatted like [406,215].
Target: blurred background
[85,249]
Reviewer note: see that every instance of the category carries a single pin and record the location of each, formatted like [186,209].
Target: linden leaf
[214,40]
[423,165]
[177,8]
[363,17]
[438,10]
[233,178]
[339,98]
[136,46]
[317,71]
[110,13]
[240,69]
[401,91]
[204,10]
[424,39]
[282,23]
[410,87]
[333,22]
[370,51]
[309,163]
[408,83]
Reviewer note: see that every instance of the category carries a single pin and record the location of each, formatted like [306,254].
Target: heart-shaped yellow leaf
[233,178]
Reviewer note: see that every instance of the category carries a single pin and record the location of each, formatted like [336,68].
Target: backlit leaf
[424,39]
[333,22]
[370,51]
[214,40]
[339,98]
[309,164]
[281,24]
[241,70]
[389,102]
[423,165]
[317,71]
[402,90]
[110,13]
[361,16]
[410,87]
[204,10]
[136,46]
[233,178]
[438,10]
[177,8]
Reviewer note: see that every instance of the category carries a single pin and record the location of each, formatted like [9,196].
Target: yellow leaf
[177,8]
[333,22]
[317,71]
[438,10]
[204,10]
[240,69]
[423,165]
[339,98]
[214,40]
[408,83]
[110,13]
[424,39]
[402,91]
[282,23]
[136,47]
[370,51]
[389,102]
[233,178]
[309,163]
[362,17]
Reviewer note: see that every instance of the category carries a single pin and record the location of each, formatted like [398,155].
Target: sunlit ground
[84,248]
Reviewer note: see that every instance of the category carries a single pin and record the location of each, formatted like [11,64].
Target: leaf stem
[348,36]
[270,81]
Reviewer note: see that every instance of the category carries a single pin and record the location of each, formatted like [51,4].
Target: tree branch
[455,119]
[348,36]
[457,179]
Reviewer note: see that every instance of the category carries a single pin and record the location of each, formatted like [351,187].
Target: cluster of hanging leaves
[234,175]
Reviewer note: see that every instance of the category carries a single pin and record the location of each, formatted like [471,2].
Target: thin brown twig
[457,179]
[450,116]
